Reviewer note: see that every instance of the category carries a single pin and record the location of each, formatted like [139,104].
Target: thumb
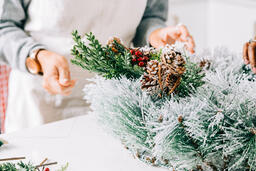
[64,76]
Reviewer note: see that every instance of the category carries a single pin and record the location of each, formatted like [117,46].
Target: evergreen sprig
[20,166]
[191,79]
[102,59]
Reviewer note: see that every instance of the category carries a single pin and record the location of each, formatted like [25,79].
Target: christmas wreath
[171,109]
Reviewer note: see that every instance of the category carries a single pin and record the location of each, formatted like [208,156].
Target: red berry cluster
[47,169]
[138,58]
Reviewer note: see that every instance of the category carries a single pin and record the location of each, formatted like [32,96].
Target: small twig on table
[13,158]
[47,164]
[43,162]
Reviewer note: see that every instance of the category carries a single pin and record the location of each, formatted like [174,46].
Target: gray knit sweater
[16,45]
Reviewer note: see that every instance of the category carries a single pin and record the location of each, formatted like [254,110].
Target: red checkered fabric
[4,76]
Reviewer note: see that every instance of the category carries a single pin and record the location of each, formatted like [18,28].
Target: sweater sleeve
[15,44]
[154,17]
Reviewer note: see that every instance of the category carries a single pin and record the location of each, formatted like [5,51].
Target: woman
[42,30]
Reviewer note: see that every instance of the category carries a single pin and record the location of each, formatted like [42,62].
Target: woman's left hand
[249,54]
[171,34]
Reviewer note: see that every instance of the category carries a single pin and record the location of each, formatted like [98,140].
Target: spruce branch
[17,167]
[102,59]
[195,145]
[191,79]
[21,166]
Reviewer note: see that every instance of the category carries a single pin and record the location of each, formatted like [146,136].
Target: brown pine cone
[175,62]
[205,64]
[165,76]
[150,79]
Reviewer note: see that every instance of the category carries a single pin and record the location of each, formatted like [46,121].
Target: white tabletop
[79,141]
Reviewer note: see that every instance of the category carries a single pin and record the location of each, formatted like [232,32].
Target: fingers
[183,30]
[169,35]
[191,44]
[245,53]
[56,78]
[186,37]
[64,75]
[252,55]
[157,38]
[67,90]
[52,85]
[172,32]
[180,33]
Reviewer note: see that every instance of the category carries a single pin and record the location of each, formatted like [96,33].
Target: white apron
[51,23]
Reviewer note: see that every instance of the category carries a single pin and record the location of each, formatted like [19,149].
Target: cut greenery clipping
[22,166]
[208,122]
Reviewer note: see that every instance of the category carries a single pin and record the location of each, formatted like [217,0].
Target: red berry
[132,51]
[145,58]
[134,60]
[140,59]
[47,169]
[141,64]
[138,53]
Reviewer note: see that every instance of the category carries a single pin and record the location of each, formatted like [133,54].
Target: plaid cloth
[4,76]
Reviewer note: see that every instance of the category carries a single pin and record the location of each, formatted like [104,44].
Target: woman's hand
[56,78]
[171,34]
[249,54]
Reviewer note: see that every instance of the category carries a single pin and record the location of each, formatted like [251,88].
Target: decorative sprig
[21,166]
[102,59]
[191,79]
[115,61]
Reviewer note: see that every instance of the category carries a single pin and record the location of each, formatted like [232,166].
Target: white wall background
[214,23]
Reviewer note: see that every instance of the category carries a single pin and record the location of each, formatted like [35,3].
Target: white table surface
[79,141]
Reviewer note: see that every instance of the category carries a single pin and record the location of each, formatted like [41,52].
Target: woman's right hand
[56,78]
[249,54]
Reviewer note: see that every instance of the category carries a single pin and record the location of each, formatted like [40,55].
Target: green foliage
[191,79]
[247,70]
[17,167]
[1,143]
[156,56]
[102,60]
[21,166]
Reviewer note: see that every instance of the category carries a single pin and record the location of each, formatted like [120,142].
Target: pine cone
[150,79]
[205,64]
[175,61]
[165,76]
